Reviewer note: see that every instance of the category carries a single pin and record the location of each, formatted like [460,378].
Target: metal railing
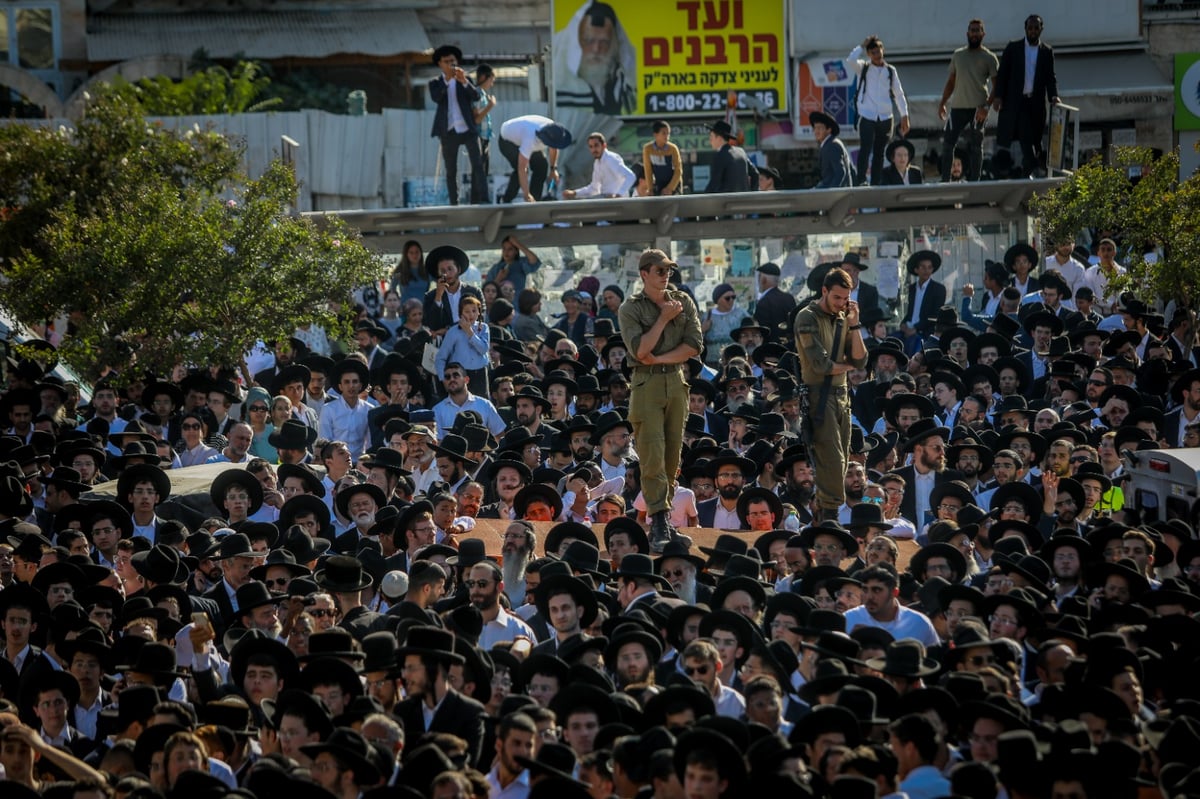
[664,219]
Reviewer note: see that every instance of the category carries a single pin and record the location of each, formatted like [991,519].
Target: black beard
[974,44]
[729,491]
[855,494]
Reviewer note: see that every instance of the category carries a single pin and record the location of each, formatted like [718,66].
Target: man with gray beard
[259,609]
[519,542]
[736,383]
[358,503]
[680,567]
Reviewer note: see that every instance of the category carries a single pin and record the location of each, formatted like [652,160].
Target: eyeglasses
[982,660]
[873,500]
[477,583]
[729,297]
[258,408]
[676,573]
[660,271]
[1097,383]
[1083,459]
[281,582]
[1011,622]
[955,508]
[191,426]
[692,671]
[321,613]
[1013,508]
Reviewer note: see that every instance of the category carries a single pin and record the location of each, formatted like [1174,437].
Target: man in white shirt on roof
[610,176]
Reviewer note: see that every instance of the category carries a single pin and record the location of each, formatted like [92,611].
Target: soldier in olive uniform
[829,342]
[661,330]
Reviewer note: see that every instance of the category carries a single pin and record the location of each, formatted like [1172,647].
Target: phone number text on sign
[685,102]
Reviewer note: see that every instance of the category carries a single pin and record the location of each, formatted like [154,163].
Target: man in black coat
[775,306]
[454,121]
[731,169]
[426,659]
[1020,98]
[866,295]
[925,297]
[927,442]
[441,303]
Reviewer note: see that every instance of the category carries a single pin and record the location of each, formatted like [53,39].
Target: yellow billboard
[668,57]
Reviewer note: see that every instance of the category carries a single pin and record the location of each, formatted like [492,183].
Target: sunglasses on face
[692,671]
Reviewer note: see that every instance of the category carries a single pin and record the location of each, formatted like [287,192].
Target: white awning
[256,35]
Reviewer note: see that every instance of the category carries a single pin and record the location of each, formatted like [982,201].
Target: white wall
[918,26]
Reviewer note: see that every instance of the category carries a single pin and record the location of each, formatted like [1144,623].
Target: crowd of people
[929,579]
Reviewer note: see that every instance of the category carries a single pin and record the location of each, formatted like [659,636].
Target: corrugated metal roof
[497,43]
[262,35]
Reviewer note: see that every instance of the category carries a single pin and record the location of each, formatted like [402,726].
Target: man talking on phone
[454,122]
[443,301]
[830,344]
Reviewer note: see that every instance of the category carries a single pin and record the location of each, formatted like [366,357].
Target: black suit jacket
[437,314]
[458,714]
[1009,86]
[868,296]
[891,176]
[1177,353]
[439,92]
[935,298]
[908,505]
[772,310]
[224,606]
[346,543]
[718,425]
[730,171]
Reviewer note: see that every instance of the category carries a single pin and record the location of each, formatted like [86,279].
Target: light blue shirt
[907,624]
[469,349]
[925,782]
[445,411]
[340,422]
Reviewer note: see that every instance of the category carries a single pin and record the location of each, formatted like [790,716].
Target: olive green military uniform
[829,441]
[658,401]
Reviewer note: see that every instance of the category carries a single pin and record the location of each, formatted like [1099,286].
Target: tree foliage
[157,248]
[211,90]
[1152,210]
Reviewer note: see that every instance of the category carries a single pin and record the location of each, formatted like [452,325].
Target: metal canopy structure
[662,219]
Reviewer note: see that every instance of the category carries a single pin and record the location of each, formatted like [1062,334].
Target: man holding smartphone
[442,303]
[454,122]
[830,344]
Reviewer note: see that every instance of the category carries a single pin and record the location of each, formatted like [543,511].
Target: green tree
[157,248]
[211,90]
[1153,209]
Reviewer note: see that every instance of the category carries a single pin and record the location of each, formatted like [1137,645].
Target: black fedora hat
[538,492]
[302,505]
[351,750]
[895,144]
[254,594]
[346,365]
[346,494]
[446,252]
[155,659]
[160,564]
[455,447]
[921,430]
[820,117]
[292,434]
[239,477]
[429,641]
[304,547]
[65,478]
[564,583]
[923,255]
[144,473]
[342,574]
[311,480]
[639,566]
[809,535]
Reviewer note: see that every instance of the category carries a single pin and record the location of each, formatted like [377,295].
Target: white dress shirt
[610,177]
[1031,55]
[340,422]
